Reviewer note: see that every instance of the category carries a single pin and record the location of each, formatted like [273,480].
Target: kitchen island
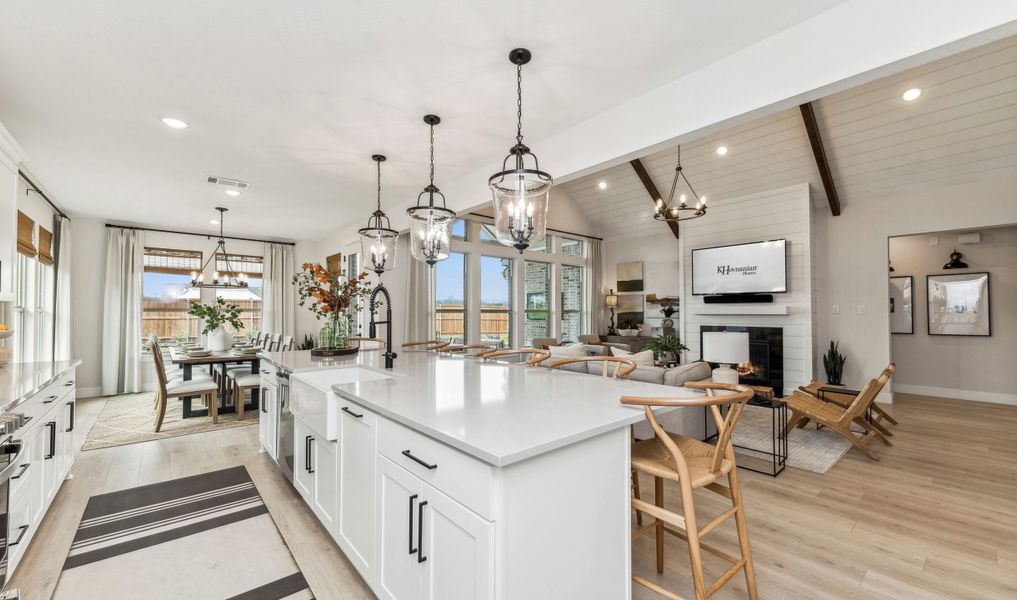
[449,477]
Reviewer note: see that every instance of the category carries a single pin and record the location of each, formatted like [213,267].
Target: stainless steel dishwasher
[284,421]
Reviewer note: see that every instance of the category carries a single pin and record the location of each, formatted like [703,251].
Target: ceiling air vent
[230,183]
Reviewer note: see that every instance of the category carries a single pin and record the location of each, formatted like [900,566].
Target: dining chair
[532,356]
[425,345]
[207,389]
[286,343]
[805,408]
[474,350]
[694,465]
[274,341]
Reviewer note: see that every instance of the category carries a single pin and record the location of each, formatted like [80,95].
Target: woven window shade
[172,261]
[253,266]
[26,241]
[45,246]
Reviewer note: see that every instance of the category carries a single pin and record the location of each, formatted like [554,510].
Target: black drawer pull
[71,428]
[266,372]
[307,454]
[24,530]
[350,412]
[420,531]
[49,399]
[412,549]
[69,383]
[21,472]
[410,456]
[52,440]
[264,408]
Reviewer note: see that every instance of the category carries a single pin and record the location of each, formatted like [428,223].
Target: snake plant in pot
[833,362]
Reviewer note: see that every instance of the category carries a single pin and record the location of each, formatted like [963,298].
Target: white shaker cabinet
[325,491]
[398,571]
[355,528]
[268,426]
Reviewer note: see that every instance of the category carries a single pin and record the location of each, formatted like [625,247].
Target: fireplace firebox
[766,356]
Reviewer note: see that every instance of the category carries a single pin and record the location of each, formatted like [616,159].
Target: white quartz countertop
[301,360]
[500,413]
[21,381]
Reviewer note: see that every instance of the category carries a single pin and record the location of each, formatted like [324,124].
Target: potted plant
[667,348]
[833,362]
[332,296]
[215,316]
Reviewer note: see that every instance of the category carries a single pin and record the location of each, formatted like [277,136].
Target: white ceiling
[963,127]
[295,97]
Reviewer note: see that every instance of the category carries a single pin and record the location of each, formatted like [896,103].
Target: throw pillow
[566,351]
[643,359]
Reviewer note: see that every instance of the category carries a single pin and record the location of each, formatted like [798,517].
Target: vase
[219,339]
[336,332]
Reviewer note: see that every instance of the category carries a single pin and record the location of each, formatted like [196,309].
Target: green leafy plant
[667,343]
[216,314]
[833,362]
[307,344]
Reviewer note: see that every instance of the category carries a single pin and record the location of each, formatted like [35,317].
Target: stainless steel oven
[284,425]
[10,460]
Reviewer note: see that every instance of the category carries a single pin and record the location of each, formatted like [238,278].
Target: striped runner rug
[208,536]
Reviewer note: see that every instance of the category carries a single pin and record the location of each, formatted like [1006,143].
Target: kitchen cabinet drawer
[22,479]
[46,400]
[459,476]
[20,531]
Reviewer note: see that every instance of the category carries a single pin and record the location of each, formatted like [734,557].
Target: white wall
[659,255]
[851,271]
[785,213]
[971,368]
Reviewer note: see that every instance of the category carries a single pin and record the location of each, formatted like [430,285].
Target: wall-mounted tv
[753,268]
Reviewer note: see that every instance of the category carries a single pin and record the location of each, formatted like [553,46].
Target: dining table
[222,360]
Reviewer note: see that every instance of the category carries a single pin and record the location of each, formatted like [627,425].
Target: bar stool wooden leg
[692,536]
[743,533]
[658,499]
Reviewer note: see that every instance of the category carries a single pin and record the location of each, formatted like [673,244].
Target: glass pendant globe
[378,247]
[430,233]
[520,210]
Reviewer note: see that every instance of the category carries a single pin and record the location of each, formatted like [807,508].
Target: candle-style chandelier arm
[231,278]
[670,211]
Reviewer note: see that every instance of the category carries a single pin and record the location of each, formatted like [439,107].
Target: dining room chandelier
[520,194]
[229,278]
[679,209]
[378,239]
[430,225]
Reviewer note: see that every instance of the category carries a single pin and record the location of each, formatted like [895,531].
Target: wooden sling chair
[805,407]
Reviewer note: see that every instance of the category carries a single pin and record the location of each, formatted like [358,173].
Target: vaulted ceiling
[962,127]
[295,97]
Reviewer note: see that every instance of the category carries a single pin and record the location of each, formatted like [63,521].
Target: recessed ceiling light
[912,94]
[722,150]
[602,185]
[213,222]
[232,192]
[174,123]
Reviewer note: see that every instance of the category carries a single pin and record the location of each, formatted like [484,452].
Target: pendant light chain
[379,185]
[519,104]
[432,155]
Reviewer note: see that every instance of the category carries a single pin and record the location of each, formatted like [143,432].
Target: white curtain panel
[597,286]
[121,315]
[279,301]
[418,300]
[62,328]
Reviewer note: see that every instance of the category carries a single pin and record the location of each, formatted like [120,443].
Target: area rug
[205,536]
[809,449]
[130,418]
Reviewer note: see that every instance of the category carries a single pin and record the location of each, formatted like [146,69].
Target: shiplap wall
[781,213]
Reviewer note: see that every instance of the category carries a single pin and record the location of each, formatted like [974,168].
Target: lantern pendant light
[430,225]
[520,194]
[378,239]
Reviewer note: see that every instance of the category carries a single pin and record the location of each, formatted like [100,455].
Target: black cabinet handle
[420,531]
[52,440]
[266,372]
[307,453]
[264,408]
[412,549]
[347,410]
[49,399]
[23,529]
[21,472]
[71,428]
[410,456]
[69,383]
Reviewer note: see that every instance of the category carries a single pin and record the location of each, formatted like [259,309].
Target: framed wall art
[959,304]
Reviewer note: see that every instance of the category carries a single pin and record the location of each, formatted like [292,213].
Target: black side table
[778,450]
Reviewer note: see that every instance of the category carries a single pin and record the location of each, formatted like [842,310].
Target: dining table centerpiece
[215,317]
[336,298]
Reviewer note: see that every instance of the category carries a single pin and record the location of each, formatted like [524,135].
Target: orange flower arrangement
[330,292]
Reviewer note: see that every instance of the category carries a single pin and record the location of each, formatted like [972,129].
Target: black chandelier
[520,194]
[378,239]
[430,225]
[680,211]
[220,280]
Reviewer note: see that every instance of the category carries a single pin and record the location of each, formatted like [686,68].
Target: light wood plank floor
[935,518]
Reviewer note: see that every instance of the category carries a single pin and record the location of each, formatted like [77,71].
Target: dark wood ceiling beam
[651,189]
[816,141]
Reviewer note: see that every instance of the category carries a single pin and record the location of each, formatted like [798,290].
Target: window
[24,308]
[572,286]
[496,301]
[34,287]
[488,236]
[537,322]
[167,294]
[459,229]
[450,299]
[570,247]
[248,299]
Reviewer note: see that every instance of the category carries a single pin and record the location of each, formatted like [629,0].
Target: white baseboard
[885,397]
[94,392]
[921,390]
